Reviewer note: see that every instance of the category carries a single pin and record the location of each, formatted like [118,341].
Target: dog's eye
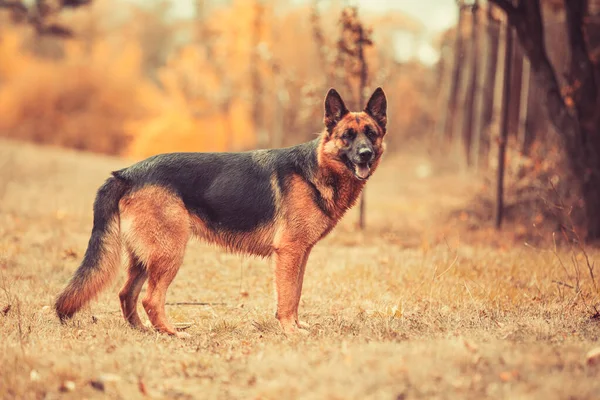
[370,133]
[348,135]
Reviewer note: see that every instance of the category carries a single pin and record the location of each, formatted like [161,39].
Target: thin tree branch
[14,5]
[581,74]
[507,6]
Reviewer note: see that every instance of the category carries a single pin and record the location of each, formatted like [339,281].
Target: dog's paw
[292,329]
[296,333]
[302,332]
[303,325]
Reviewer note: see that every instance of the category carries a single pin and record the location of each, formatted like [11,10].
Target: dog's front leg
[301,324]
[289,262]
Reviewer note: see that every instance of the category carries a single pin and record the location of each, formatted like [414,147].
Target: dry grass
[405,310]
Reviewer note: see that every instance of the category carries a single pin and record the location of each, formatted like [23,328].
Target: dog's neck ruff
[336,184]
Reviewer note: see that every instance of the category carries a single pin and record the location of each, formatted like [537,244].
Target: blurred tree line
[520,82]
[125,78]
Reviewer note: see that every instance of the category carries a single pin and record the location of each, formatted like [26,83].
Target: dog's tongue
[362,171]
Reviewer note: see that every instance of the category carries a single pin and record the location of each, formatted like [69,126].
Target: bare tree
[506,87]
[457,67]
[516,88]
[39,14]
[442,88]
[522,131]
[575,115]
[470,98]
[534,120]
[351,48]
[489,81]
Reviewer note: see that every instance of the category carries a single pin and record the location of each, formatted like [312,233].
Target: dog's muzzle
[362,164]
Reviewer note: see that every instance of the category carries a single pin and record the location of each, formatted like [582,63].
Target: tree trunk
[575,118]
[505,121]
[522,132]
[534,121]
[489,85]
[456,77]
[475,151]
[583,79]
[262,139]
[516,86]
[443,92]
[472,85]
[362,86]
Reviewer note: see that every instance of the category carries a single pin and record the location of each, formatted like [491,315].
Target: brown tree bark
[504,124]
[575,118]
[534,122]
[456,76]
[443,87]
[362,86]
[516,86]
[487,106]
[522,133]
[469,116]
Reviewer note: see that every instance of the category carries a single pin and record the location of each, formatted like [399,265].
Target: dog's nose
[365,154]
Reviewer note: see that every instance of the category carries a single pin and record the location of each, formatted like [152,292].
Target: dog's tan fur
[155,227]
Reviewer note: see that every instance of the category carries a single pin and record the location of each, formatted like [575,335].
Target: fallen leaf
[69,253]
[34,376]
[98,385]
[593,356]
[472,347]
[6,309]
[508,376]
[102,380]
[142,387]
[67,386]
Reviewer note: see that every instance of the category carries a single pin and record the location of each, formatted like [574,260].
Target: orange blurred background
[138,79]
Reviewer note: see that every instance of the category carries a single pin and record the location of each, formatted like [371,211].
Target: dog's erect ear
[377,107]
[335,109]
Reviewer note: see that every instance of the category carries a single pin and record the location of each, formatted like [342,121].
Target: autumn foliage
[146,82]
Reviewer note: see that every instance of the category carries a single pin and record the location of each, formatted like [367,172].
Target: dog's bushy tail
[103,254]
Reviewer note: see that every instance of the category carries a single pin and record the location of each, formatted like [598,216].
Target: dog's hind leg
[136,276]
[161,272]
[156,229]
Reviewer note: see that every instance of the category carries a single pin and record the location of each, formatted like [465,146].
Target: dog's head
[355,139]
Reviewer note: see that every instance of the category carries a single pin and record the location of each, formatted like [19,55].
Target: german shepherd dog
[277,202]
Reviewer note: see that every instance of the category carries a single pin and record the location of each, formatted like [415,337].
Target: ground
[411,308]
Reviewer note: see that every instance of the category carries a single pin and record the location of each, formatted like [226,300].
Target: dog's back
[227,191]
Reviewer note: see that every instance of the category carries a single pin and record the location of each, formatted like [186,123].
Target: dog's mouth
[362,170]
